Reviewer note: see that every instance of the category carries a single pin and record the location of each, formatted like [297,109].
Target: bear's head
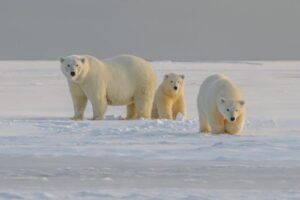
[173,84]
[230,108]
[74,67]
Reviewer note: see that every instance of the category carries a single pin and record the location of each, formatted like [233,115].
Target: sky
[177,30]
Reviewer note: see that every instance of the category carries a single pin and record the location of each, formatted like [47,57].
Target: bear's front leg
[79,107]
[216,124]
[154,113]
[235,127]
[179,107]
[79,101]
[99,108]
[204,126]
[165,111]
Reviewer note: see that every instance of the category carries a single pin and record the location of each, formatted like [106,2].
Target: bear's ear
[182,76]
[222,100]
[242,102]
[82,60]
[62,59]
[166,76]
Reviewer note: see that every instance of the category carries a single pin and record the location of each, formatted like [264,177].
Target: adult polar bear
[220,105]
[123,80]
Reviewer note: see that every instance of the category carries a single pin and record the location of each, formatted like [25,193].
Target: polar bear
[123,80]
[220,106]
[169,97]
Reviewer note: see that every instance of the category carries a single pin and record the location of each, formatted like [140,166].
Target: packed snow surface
[45,155]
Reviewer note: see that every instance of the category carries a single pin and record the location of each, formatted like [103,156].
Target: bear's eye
[227,110]
[69,65]
[171,81]
[76,65]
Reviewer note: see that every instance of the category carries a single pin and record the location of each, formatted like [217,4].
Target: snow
[45,155]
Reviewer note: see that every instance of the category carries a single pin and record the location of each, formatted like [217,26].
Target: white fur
[168,102]
[124,80]
[219,100]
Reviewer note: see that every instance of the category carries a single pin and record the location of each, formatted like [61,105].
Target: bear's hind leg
[131,111]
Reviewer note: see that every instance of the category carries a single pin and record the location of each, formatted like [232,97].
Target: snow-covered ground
[44,155]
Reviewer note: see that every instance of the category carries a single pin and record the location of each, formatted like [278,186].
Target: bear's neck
[82,77]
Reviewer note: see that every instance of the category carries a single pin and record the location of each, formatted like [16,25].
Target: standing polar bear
[169,97]
[220,106]
[124,80]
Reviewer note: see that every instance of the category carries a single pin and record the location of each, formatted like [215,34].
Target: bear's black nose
[175,87]
[232,119]
[72,73]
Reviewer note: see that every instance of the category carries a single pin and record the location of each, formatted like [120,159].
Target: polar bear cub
[220,106]
[124,80]
[169,98]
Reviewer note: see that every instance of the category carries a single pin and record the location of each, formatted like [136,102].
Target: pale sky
[179,30]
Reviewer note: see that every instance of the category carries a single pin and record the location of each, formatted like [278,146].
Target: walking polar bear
[124,80]
[169,97]
[220,106]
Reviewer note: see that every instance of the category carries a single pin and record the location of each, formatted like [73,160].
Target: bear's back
[127,61]
[216,86]
[211,84]
[223,86]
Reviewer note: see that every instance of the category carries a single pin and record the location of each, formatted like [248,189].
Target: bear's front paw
[166,116]
[76,118]
[205,130]
[218,130]
[97,118]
